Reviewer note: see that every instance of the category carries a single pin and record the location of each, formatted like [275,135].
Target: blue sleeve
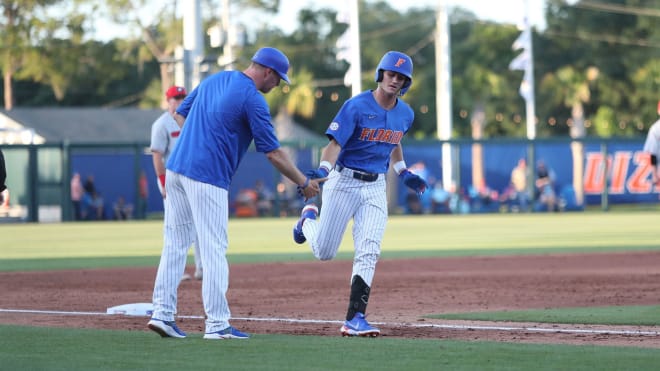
[342,126]
[259,120]
[184,107]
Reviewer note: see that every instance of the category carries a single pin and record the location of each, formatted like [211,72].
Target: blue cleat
[166,329]
[228,333]
[310,211]
[359,326]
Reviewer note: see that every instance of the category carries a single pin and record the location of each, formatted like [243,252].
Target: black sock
[359,297]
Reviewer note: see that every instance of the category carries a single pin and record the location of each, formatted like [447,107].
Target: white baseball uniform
[356,188]
[224,114]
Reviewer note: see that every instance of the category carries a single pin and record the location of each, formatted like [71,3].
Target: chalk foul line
[388,324]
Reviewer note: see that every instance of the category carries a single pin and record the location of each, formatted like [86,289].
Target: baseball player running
[223,115]
[365,136]
[164,134]
[652,147]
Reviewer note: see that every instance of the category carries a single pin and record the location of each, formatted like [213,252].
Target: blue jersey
[367,133]
[223,115]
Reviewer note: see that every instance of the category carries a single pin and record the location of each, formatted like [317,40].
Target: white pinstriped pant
[192,206]
[344,198]
[197,254]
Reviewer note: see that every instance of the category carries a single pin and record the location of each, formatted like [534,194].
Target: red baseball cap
[175,92]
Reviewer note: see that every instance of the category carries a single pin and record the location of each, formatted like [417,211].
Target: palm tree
[295,99]
[571,88]
[480,85]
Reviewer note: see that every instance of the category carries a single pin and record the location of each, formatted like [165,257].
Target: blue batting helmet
[397,62]
[273,59]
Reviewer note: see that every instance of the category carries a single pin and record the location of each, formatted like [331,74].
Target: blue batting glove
[413,181]
[318,173]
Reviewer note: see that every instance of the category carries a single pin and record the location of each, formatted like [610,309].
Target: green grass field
[108,244]
[256,240]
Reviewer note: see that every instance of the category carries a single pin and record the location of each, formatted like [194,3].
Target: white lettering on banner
[618,166]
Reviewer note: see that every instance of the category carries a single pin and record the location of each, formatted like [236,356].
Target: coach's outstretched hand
[413,181]
[310,188]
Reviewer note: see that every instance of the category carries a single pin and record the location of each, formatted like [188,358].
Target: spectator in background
[519,183]
[459,203]
[143,196]
[483,199]
[508,198]
[246,203]
[264,199]
[122,210]
[92,206]
[413,203]
[98,204]
[76,196]
[545,188]
[440,199]
[288,201]
[92,202]
[89,186]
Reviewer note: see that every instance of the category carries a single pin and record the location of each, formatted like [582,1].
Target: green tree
[644,101]
[316,75]
[572,89]
[157,40]
[23,25]
[622,51]
[55,61]
[485,91]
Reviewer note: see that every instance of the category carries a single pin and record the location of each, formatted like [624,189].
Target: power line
[603,38]
[617,9]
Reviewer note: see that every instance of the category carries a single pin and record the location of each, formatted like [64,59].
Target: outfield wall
[38,176]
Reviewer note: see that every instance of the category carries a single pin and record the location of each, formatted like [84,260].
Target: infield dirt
[403,292]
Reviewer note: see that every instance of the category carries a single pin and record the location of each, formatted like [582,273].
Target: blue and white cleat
[228,333]
[359,326]
[166,329]
[310,211]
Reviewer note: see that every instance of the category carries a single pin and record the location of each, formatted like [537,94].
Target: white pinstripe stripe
[192,206]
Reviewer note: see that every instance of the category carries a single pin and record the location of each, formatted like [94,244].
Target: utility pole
[227,48]
[530,100]
[443,91]
[356,62]
[192,52]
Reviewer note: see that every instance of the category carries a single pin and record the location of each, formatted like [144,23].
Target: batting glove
[413,181]
[318,173]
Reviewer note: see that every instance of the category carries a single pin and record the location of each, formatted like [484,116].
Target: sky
[501,11]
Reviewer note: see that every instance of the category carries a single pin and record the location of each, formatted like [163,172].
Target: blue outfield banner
[624,174]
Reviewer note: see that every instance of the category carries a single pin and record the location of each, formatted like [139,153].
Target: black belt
[367,177]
